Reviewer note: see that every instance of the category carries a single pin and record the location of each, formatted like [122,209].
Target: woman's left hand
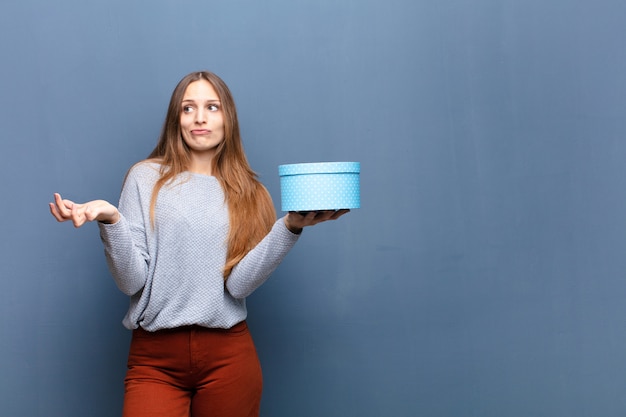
[296,221]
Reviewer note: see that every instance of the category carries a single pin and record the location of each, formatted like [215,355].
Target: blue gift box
[320,186]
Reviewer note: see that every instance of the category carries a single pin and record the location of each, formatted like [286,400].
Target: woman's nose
[201,116]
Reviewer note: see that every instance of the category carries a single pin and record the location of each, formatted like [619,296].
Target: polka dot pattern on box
[320,186]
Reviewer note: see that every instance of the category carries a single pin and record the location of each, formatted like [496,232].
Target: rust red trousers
[193,372]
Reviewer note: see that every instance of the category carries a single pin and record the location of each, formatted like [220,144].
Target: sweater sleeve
[255,268]
[125,242]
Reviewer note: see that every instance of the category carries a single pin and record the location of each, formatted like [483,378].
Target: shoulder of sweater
[146,167]
[142,170]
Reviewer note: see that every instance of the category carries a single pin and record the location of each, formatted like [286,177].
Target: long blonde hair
[250,208]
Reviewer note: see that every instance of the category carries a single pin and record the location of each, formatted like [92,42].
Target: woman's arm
[126,242]
[255,268]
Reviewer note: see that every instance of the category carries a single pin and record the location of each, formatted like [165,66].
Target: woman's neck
[201,164]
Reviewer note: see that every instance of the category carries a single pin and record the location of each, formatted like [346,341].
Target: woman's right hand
[79,214]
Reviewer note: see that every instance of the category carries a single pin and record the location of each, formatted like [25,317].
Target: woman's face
[201,118]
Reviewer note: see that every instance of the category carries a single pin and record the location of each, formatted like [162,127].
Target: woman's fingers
[64,207]
[337,214]
[55,212]
[64,210]
[60,209]
[311,218]
[324,215]
[78,214]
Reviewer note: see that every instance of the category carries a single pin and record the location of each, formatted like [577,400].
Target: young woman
[194,234]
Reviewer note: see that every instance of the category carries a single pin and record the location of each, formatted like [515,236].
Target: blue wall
[484,275]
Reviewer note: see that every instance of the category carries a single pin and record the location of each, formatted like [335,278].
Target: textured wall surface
[484,273]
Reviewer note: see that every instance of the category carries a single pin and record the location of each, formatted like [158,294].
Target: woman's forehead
[200,90]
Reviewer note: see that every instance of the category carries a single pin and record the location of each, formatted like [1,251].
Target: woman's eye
[213,107]
[187,109]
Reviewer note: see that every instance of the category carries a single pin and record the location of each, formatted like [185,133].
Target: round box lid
[319,168]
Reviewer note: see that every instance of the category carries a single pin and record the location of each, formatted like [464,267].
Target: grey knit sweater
[173,272]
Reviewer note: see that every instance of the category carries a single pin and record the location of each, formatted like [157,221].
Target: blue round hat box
[320,186]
